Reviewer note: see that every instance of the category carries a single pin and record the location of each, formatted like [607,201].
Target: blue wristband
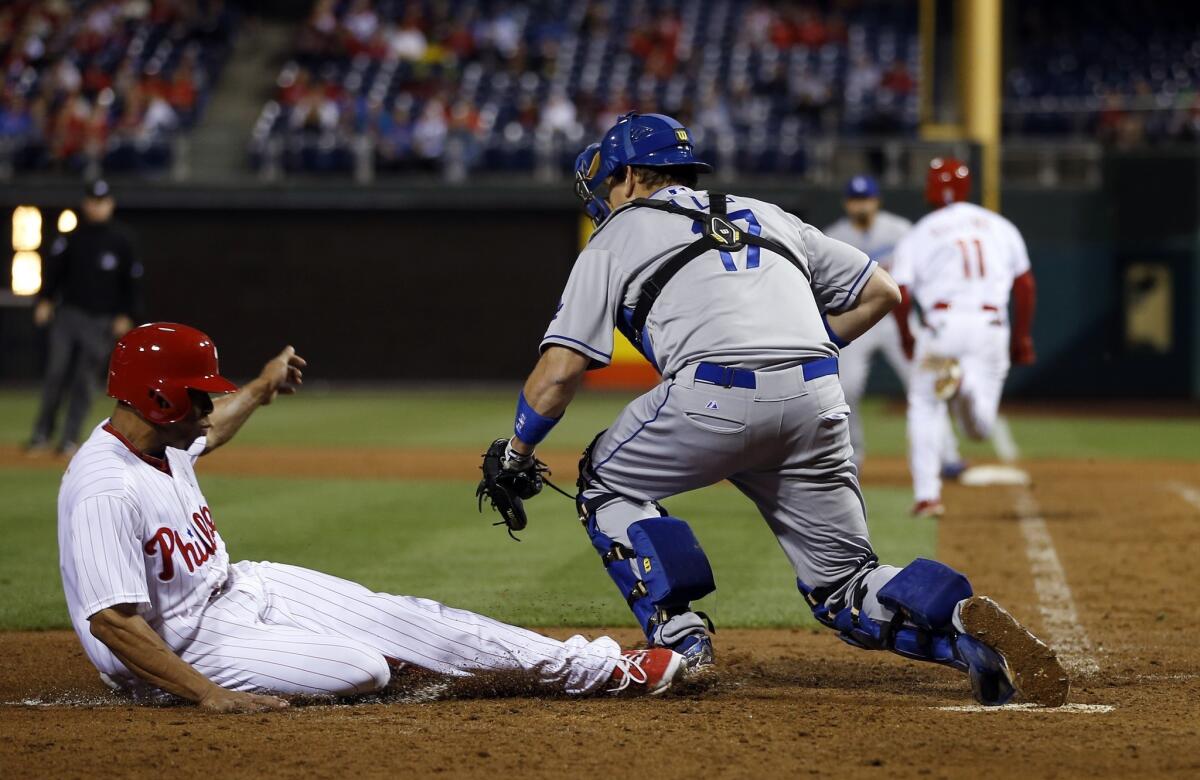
[530,426]
[837,340]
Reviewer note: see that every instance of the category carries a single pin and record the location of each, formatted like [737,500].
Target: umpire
[91,295]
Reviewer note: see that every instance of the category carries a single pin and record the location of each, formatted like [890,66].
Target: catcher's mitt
[507,482]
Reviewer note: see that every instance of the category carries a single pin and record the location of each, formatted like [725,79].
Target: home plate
[983,476]
[1085,708]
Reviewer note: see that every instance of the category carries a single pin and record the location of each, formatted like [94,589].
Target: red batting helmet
[949,181]
[154,366]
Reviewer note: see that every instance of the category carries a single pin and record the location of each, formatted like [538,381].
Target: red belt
[943,305]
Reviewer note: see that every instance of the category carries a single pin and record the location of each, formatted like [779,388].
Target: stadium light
[26,273]
[26,239]
[26,229]
[67,221]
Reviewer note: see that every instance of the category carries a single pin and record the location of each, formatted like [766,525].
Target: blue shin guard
[660,573]
[922,597]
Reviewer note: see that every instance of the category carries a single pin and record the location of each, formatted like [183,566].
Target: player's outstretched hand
[283,374]
[225,701]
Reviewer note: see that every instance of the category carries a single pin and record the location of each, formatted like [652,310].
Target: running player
[960,265]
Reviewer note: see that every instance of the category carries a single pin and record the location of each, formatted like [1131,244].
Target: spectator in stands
[503,33]
[429,134]
[1111,116]
[811,93]
[407,41]
[898,80]
[462,135]
[181,92]
[862,80]
[294,84]
[360,24]
[757,24]
[318,37]
[65,76]
[559,117]
[158,119]
[316,111]
[79,132]
[16,120]
[459,40]
[393,134]
[713,116]
[809,28]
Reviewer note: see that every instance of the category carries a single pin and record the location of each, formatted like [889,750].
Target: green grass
[469,418]
[426,538]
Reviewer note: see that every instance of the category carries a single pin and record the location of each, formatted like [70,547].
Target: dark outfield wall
[392,286]
[365,295]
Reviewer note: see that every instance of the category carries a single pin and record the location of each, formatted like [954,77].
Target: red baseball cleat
[646,671]
[928,508]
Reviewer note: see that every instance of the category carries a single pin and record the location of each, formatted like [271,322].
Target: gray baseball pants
[785,444]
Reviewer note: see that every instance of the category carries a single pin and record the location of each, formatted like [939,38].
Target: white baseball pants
[979,341]
[285,629]
[854,367]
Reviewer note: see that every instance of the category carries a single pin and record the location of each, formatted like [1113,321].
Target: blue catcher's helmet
[648,140]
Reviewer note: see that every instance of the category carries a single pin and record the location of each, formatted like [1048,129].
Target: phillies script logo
[195,553]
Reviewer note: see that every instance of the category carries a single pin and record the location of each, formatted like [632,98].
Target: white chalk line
[1186,492]
[1064,632]
[1066,709]
[66,700]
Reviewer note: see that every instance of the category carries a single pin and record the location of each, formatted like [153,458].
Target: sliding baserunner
[159,607]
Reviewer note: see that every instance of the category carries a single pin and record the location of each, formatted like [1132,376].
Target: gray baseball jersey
[879,241]
[750,309]
[785,442]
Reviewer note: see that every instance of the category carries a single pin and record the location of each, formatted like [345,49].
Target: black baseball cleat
[1028,663]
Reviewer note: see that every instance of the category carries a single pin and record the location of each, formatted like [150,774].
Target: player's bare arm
[282,374]
[880,295]
[552,386]
[135,644]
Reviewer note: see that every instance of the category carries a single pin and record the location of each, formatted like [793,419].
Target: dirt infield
[788,703]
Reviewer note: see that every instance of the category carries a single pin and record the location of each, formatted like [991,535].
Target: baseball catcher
[742,308]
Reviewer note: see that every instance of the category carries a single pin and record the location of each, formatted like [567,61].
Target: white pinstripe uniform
[959,262]
[137,530]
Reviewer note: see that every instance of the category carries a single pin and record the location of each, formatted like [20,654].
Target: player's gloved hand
[509,478]
[1021,351]
[908,345]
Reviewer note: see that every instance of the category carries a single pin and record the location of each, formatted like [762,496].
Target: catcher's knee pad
[922,598]
[660,572]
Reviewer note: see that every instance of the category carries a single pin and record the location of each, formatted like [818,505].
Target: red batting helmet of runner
[153,367]
[949,181]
